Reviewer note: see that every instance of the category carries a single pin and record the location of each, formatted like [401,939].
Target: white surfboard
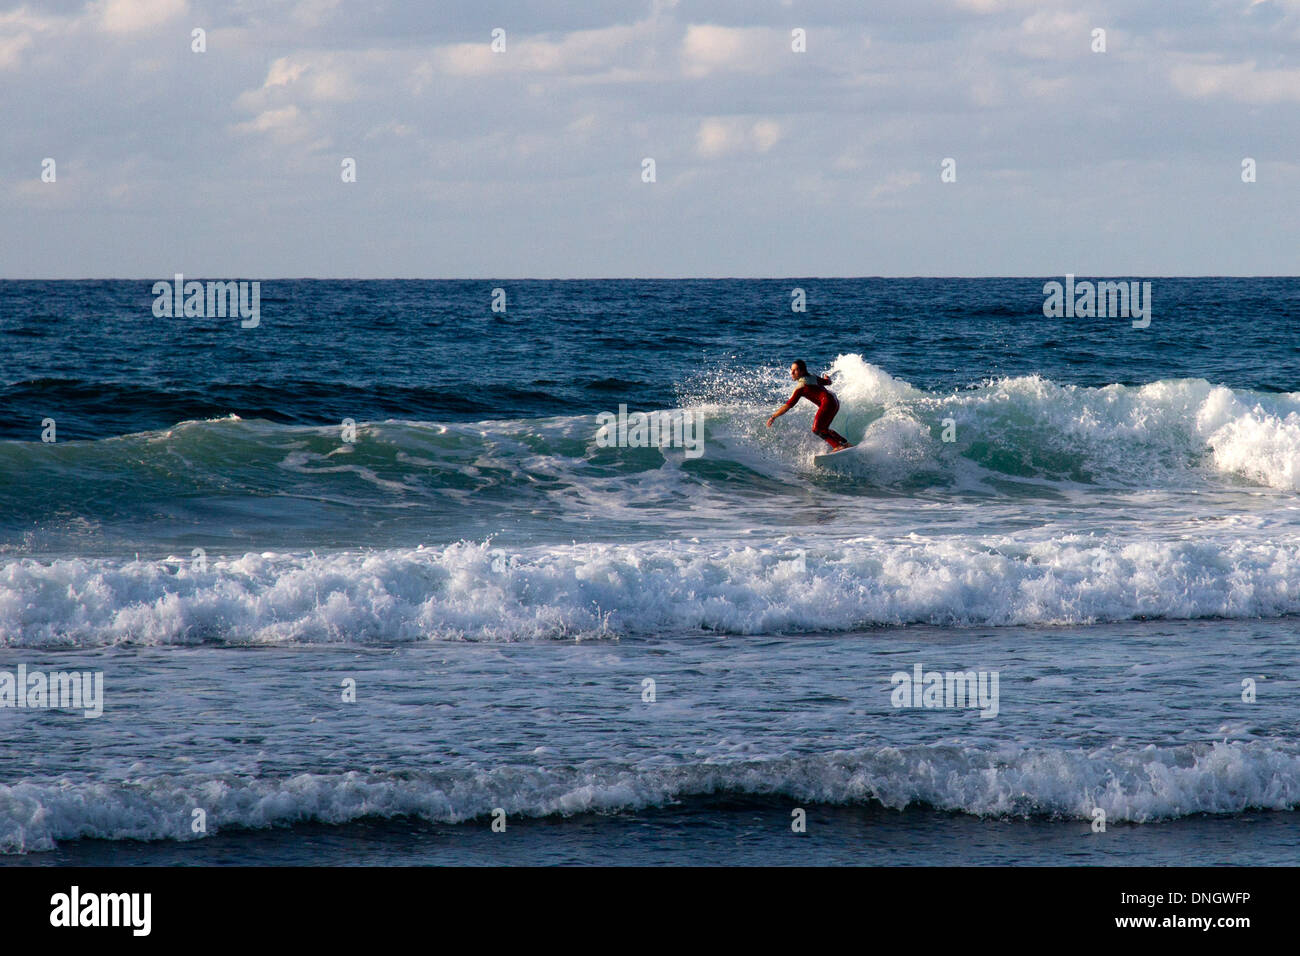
[823,459]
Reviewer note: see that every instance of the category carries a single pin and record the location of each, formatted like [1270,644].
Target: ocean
[374,580]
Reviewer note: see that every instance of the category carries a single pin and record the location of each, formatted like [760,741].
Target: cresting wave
[1166,432]
[1027,430]
[1138,785]
[476,592]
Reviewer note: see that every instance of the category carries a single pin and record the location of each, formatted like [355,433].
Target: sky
[529,162]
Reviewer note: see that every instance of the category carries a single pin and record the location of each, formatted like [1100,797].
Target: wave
[1021,435]
[1134,785]
[477,592]
[1176,432]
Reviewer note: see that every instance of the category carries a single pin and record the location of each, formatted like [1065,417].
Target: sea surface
[367,584]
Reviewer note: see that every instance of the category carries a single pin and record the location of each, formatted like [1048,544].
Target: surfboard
[822,459]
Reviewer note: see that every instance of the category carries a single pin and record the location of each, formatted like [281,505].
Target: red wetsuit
[817,393]
[814,389]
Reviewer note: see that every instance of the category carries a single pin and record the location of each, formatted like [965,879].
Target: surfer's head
[798,369]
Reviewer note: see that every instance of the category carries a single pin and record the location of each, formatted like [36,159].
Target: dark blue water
[92,354]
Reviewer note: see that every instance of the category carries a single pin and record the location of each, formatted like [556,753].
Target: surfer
[813,388]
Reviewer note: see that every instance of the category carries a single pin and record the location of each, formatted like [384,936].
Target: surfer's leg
[821,427]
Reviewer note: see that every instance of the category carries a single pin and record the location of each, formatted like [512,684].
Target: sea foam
[1131,784]
[477,592]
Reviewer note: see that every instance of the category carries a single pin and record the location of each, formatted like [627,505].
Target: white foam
[1258,442]
[1154,435]
[1139,785]
[857,381]
[472,591]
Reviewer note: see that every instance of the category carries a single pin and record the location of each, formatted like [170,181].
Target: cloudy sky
[768,162]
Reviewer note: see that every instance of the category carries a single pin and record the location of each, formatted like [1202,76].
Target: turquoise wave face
[233,484]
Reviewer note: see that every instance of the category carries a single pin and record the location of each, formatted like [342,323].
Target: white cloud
[582,51]
[307,78]
[765,135]
[21,27]
[312,13]
[18,30]
[993,6]
[717,138]
[11,49]
[720,137]
[383,130]
[131,16]
[1055,33]
[287,124]
[283,72]
[1237,81]
[582,124]
[895,183]
[708,49]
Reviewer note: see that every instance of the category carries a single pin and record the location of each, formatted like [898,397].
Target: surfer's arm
[794,400]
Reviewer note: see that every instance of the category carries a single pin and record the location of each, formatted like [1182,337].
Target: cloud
[765,135]
[286,125]
[18,30]
[1237,81]
[312,13]
[720,137]
[582,51]
[561,120]
[312,77]
[11,48]
[131,16]
[709,49]
[894,184]
[383,130]
[283,72]
[1048,34]
[996,6]
[21,27]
